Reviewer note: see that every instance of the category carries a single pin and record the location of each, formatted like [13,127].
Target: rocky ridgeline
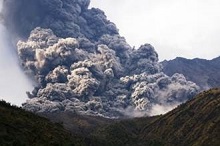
[205,73]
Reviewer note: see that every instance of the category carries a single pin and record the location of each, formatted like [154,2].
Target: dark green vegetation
[81,124]
[195,123]
[21,128]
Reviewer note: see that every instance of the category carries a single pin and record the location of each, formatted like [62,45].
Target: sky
[13,81]
[176,28]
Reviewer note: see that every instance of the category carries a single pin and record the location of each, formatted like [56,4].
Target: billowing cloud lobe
[82,64]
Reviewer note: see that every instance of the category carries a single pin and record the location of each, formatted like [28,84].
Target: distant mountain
[194,123]
[206,73]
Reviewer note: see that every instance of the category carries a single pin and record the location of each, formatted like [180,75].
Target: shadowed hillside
[81,124]
[205,73]
[21,128]
[194,123]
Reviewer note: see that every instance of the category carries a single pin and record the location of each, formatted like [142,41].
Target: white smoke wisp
[13,81]
[162,109]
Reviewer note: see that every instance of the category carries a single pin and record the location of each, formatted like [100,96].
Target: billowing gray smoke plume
[82,64]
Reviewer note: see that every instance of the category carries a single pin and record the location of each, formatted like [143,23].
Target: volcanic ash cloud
[81,63]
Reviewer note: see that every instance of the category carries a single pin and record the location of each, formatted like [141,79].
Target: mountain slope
[81,124]
[195,123]
[205,73]
[18,127]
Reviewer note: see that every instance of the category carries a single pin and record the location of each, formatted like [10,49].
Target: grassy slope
[81,124]
[18,127]
[195,123]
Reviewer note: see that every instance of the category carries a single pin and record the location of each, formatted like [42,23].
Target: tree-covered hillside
[194,123]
